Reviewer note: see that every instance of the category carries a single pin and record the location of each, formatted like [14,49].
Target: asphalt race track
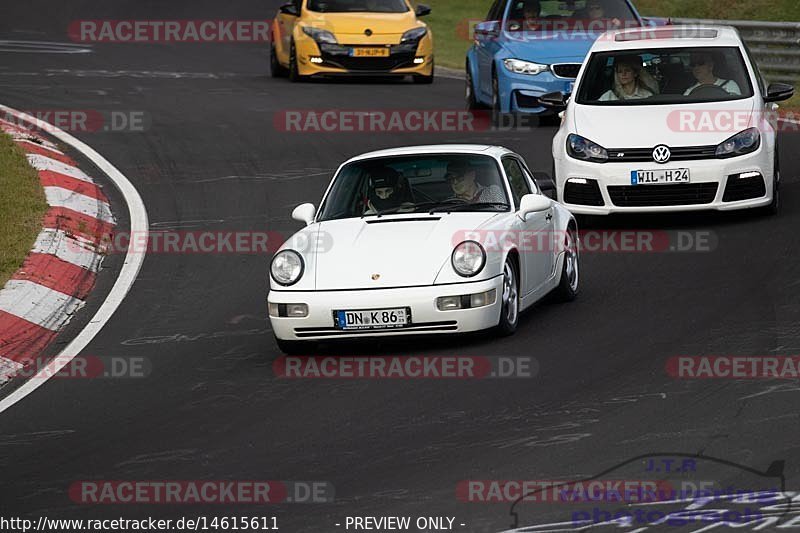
[212,407]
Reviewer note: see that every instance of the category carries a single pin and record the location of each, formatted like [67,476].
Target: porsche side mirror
[422,10]
[533,203]
[304,213]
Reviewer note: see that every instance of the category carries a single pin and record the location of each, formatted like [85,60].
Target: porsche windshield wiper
[477,206]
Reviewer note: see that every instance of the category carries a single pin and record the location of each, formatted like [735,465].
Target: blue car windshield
[575,15]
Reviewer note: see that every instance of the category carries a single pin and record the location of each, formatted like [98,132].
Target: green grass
[774,10]
[449,22]
[22,206]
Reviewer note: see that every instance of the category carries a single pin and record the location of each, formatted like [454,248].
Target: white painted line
[60,197]
[127,276]
[8,368]
[79,252]
[37,304]
[40,162]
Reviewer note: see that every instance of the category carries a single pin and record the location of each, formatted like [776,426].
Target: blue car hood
[550,47]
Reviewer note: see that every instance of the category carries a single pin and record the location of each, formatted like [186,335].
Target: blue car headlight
[744,142]
[582,148]
[518,66]
[320,36]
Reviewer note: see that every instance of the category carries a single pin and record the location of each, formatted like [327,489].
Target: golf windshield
[359,6]
[665,76]
[416,184]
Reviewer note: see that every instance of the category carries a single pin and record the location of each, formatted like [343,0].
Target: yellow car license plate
[370,52]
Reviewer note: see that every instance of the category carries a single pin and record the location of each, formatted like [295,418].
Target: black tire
[469,91]
[421,79]
[569,284]
[294,72]
[293,347]
[509,300]
[276,69]
[495,100]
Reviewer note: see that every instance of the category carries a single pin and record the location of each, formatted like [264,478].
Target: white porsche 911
[422,240]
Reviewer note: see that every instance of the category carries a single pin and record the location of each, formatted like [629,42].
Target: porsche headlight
[742,143]
[414,35]
[468,259]
[319,35]
[518,66]
[582,148]
[286,267]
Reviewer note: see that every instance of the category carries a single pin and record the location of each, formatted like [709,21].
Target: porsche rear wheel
[567,288]
[509,309]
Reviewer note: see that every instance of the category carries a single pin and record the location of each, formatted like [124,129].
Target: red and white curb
[60,270]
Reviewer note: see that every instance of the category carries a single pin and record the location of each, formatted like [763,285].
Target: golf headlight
[582,148]
[321,36]
[468,259]
[517,66]
[286,267]
[413,35]
[742,143]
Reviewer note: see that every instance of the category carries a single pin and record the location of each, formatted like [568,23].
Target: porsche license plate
[372,318]
[369,52]
[660,176]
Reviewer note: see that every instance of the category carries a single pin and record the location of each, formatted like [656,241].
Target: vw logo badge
[368,32]
[661,154]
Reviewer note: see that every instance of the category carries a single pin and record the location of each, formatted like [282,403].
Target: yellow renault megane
[351,37]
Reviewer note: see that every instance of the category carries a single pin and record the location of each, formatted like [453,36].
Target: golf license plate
[369,52]
[372,318]
[660,176]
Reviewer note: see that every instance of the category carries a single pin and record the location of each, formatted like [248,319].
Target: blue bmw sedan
[527,48]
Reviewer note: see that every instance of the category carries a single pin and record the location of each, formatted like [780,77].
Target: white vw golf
[422,240]
[676,118]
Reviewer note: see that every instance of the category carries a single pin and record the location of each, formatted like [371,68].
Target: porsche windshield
[665,76]
[359,6]
[414,184]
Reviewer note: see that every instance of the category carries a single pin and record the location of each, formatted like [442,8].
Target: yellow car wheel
[294,71]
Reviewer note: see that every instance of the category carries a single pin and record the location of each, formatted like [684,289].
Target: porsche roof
[436,149]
